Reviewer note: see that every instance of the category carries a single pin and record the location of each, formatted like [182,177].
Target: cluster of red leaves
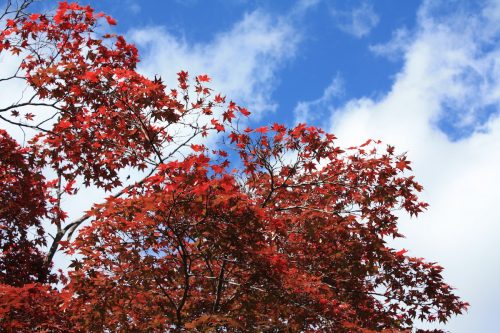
[105,106]
[294,241]
[22,194]
[27,300]
[33,308]
[294,245]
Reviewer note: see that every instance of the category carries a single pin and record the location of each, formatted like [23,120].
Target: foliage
[276,229]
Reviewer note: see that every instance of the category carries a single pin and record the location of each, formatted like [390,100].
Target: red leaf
[219,99]
[111,21]
[403,164]
[197,148]
[64,124]
[401,252]
[228,116]
[203,78]
[244,112]
[91,76]
[262,130]
[366,143]
[218,126]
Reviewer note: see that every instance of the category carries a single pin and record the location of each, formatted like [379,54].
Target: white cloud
[302,6]
[452,63]
[357,22]
[394,49]
[133,6]
[313,111]
[242,62]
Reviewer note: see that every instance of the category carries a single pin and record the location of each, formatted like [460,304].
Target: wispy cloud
[133,6]
[315,110]
[451,71]
[357,22]
[302,6]
[243,61]
[396,47]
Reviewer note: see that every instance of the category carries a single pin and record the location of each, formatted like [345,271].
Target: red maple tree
[271,229]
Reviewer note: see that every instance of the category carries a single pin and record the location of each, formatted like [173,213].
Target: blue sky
[421,75]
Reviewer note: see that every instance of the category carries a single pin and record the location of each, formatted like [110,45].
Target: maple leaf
[182,75]
[203,78]
[228,116]
[401,253]
[15,50]
[110,20]
[278,128]
[197,148]
[262,130]
[217,169]
[244,112]
[366,143]
[69,186]
[219,99]
[232,106]
[218,126]
[403,164]
[91,76]
[201,189]
[64,124]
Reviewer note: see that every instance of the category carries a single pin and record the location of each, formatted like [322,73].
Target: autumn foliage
[216,228]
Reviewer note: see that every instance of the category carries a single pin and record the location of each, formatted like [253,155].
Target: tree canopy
[218,227]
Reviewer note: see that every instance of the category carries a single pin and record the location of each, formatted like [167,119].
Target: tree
[271,229]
